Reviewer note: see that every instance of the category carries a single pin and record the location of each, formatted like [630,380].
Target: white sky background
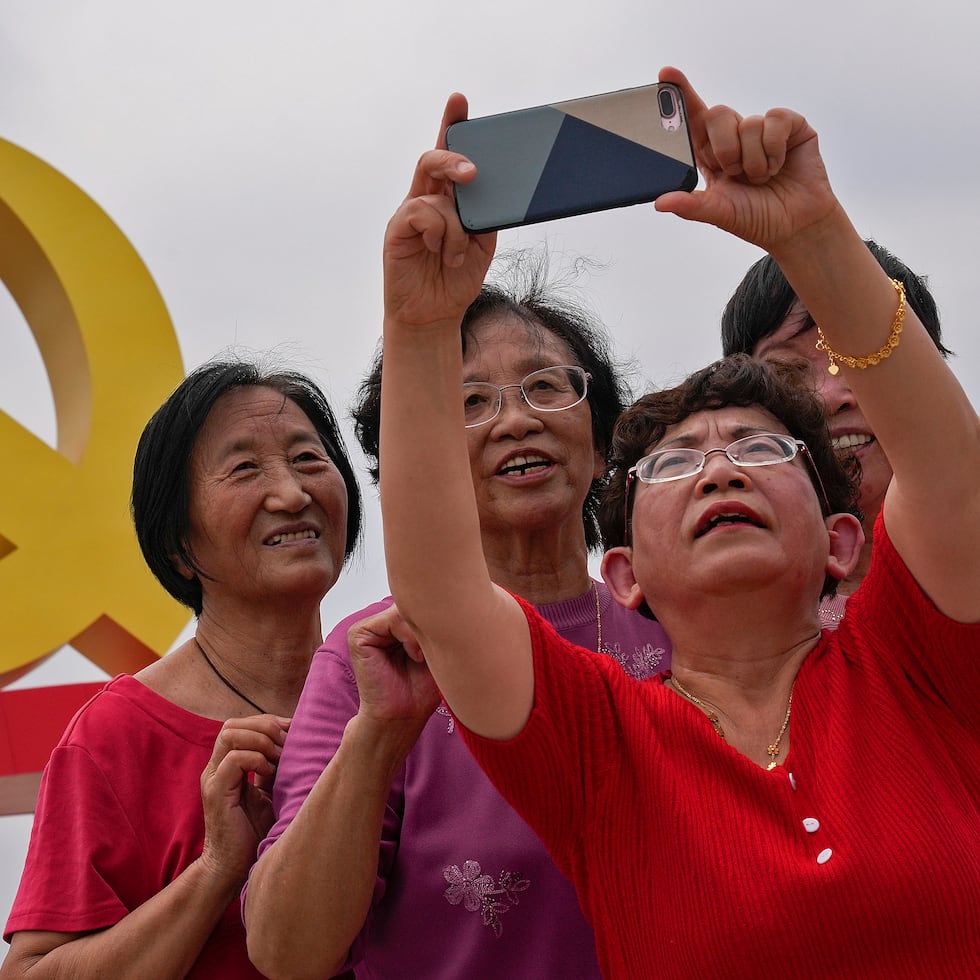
[253,152]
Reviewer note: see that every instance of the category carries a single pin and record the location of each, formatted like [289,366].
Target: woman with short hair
[246,509]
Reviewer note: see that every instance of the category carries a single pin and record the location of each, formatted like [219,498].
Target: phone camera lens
[668,107]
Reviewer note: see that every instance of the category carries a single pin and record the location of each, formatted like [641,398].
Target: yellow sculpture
[70,568]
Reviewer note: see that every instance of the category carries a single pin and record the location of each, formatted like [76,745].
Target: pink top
[464,888]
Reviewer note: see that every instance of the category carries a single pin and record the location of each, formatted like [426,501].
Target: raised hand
[433,268]
[237,808]
[393,680]
[765,179]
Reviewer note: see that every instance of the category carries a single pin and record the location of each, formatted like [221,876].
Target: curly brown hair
[780,388]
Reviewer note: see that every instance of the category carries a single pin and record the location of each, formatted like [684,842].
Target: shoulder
[890,599]
[336,641]
[331,675]
[562,664]
[128,719]
[893,629]
[123,696]
[638,644]
[330,695]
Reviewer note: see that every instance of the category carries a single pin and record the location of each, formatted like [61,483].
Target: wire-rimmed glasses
[550,389]
[678,463]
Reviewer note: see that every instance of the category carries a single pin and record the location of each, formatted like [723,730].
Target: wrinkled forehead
[716,428]
[243,416]
[510,343]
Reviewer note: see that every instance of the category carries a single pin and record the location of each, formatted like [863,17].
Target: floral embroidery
[643,662]
[443,710]
[479,893]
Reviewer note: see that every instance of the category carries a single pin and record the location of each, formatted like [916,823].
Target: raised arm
[766,183]
[474,635]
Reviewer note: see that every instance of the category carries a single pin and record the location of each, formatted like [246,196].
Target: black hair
[763,299]
[528,297]
[160,500]
[779,388]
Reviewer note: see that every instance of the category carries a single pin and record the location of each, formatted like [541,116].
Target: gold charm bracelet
[879,355]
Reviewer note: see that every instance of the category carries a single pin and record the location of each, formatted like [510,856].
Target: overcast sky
[253,152]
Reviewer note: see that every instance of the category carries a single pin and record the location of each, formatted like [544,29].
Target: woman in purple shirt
[391,851]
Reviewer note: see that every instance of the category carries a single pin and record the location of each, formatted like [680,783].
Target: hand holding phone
[575,157]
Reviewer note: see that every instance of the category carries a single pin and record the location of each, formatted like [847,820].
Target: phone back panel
[571,157]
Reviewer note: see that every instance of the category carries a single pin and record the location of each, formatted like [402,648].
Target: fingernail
[465,167]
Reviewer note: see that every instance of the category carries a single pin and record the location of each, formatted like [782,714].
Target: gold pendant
[833,369]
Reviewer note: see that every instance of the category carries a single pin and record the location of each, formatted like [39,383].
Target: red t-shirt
[119,816]
[859,857]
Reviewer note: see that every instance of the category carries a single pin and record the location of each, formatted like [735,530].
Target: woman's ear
[846,542]
[182,568]
[617,573]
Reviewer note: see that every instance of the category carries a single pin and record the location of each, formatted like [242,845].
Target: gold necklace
[598,619]
[771,750]
[703,705]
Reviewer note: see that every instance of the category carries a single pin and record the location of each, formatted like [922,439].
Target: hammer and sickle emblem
[70,567]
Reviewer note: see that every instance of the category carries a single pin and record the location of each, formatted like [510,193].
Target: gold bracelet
[879,355]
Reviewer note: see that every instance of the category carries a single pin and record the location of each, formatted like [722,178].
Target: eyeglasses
[761,449]
[552,389]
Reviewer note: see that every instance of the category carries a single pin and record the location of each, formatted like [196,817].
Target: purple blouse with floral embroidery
[464,888]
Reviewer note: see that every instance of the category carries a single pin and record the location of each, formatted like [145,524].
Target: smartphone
[591,154]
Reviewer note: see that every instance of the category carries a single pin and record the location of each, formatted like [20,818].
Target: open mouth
[292,536]
[851,441]
[721,519]
[522,465]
